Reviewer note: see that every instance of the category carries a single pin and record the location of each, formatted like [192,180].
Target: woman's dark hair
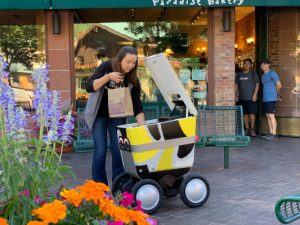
[116,63]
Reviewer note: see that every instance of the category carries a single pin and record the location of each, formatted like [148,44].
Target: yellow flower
[36,223]
[72,196]
[93,191]
[3,221]
[51,212]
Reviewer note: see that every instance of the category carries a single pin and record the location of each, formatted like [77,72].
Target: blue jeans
[100,128]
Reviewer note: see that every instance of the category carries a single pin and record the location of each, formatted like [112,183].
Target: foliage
[18,44]
[30,167]
[91,203]
[150,29]
[162,34]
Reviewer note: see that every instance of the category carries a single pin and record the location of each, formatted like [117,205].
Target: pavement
[244,194]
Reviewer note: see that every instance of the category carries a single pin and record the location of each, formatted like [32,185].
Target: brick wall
[60,55]
[245,28]
[221,70]
[283,48]
[273,37]
[283,42]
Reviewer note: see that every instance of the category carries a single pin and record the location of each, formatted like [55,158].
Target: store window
[182,37]
[22,46]
[283,53]
[244,35]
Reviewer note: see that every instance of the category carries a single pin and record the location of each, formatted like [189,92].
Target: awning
[93,4]
[80,4]
[24,4]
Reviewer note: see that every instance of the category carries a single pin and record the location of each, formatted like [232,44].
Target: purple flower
[55,115]
[115,223]
[68,127]
[3,67]
[15,118]
[152,221]
[42,96]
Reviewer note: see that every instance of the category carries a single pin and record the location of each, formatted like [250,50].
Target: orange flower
[93,191]
[116,212]
[138,217]
[36,223]
[119,213]
[51,212]
[3,221]
[72,196]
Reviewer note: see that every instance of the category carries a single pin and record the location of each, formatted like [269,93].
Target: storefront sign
[94,4]
[164,3]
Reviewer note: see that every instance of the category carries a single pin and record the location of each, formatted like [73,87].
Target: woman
[122,69]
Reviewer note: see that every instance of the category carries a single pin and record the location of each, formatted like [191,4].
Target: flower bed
[91,203]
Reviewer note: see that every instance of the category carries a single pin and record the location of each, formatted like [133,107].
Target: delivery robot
[159,155]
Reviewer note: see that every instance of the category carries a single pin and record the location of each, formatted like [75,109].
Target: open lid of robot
[167,81]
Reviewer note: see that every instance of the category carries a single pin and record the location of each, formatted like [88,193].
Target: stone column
[221,53]
[60,55]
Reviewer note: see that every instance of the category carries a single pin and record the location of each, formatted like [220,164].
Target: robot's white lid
[167,81]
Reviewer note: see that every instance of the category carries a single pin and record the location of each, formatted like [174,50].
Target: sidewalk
[246,193]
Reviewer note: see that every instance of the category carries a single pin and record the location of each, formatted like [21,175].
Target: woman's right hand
[116,77]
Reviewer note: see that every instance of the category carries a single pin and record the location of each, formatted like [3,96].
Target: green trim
[261,30]
[261,48]
[226,157]
[78,4]
[24,4]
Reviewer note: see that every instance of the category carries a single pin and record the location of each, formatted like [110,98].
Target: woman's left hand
[140,119]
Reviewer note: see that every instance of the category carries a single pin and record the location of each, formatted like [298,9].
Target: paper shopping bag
[119,102]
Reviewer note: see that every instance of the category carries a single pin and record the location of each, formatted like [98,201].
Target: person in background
[271,90]
[247,85]
[120,69]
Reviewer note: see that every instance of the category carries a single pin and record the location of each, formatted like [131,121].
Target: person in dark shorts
[247,85]
[271,89]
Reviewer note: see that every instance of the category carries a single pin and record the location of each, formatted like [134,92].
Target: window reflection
[23,48]
[95,43]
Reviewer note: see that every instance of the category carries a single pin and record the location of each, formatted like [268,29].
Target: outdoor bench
[84,138]
[287,209]
[221,126]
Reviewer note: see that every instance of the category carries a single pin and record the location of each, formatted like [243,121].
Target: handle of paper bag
[120,85]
